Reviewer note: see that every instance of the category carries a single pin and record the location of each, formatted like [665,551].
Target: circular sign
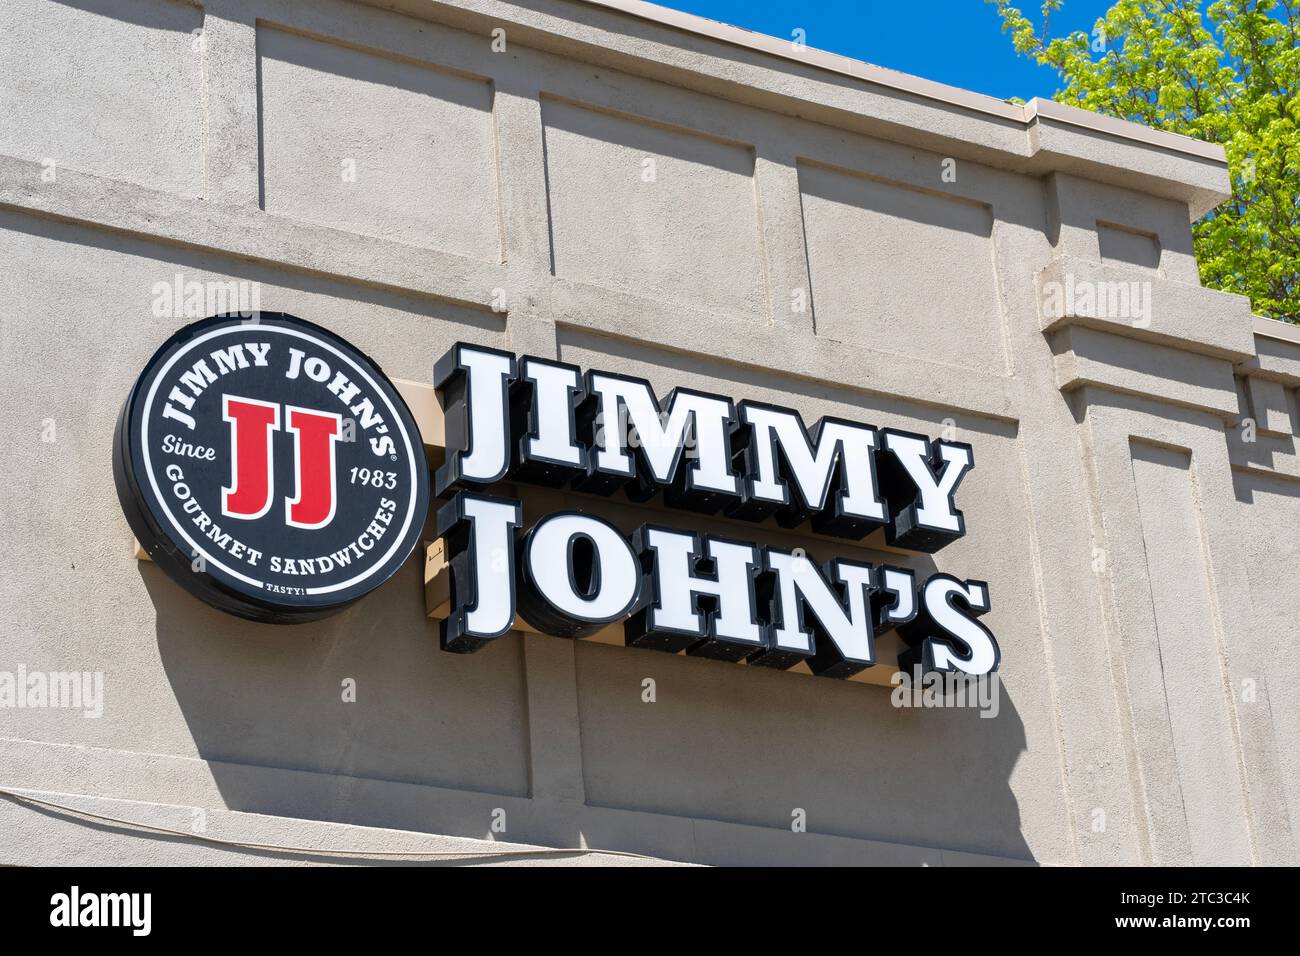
[269,468]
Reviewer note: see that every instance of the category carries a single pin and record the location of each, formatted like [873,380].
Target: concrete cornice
[1274,329]
[905,82]
[1036,138]
[1100,123]
[822,59]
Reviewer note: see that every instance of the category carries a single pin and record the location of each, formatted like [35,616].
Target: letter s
[948,638]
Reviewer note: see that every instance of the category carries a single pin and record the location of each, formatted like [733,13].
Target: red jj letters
[249,495]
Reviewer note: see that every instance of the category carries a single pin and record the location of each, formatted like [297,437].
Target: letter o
[579,575]
[316,369]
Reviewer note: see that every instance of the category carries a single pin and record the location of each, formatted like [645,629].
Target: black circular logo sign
[270,468]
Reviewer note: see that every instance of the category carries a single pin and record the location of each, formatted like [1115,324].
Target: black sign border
[172,557]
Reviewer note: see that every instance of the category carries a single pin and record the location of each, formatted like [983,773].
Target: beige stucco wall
[1140,550]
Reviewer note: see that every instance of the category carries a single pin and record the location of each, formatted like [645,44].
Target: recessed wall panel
[371,144]
[651,210]
[109,87]
[1128,247]
[901,269]
[1190,659]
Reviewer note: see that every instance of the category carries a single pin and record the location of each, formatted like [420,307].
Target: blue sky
[958,42]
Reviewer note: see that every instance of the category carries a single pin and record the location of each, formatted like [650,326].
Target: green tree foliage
[1226,74]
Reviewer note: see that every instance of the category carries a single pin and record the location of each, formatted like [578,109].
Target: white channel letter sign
[571,574]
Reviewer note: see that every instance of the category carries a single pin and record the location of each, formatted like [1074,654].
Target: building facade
[621,187]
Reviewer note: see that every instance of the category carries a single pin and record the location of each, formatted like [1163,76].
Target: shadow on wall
[435,742]
[355,719]
[158,16]
[757,747]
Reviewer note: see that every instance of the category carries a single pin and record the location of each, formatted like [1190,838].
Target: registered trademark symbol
[392,458]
